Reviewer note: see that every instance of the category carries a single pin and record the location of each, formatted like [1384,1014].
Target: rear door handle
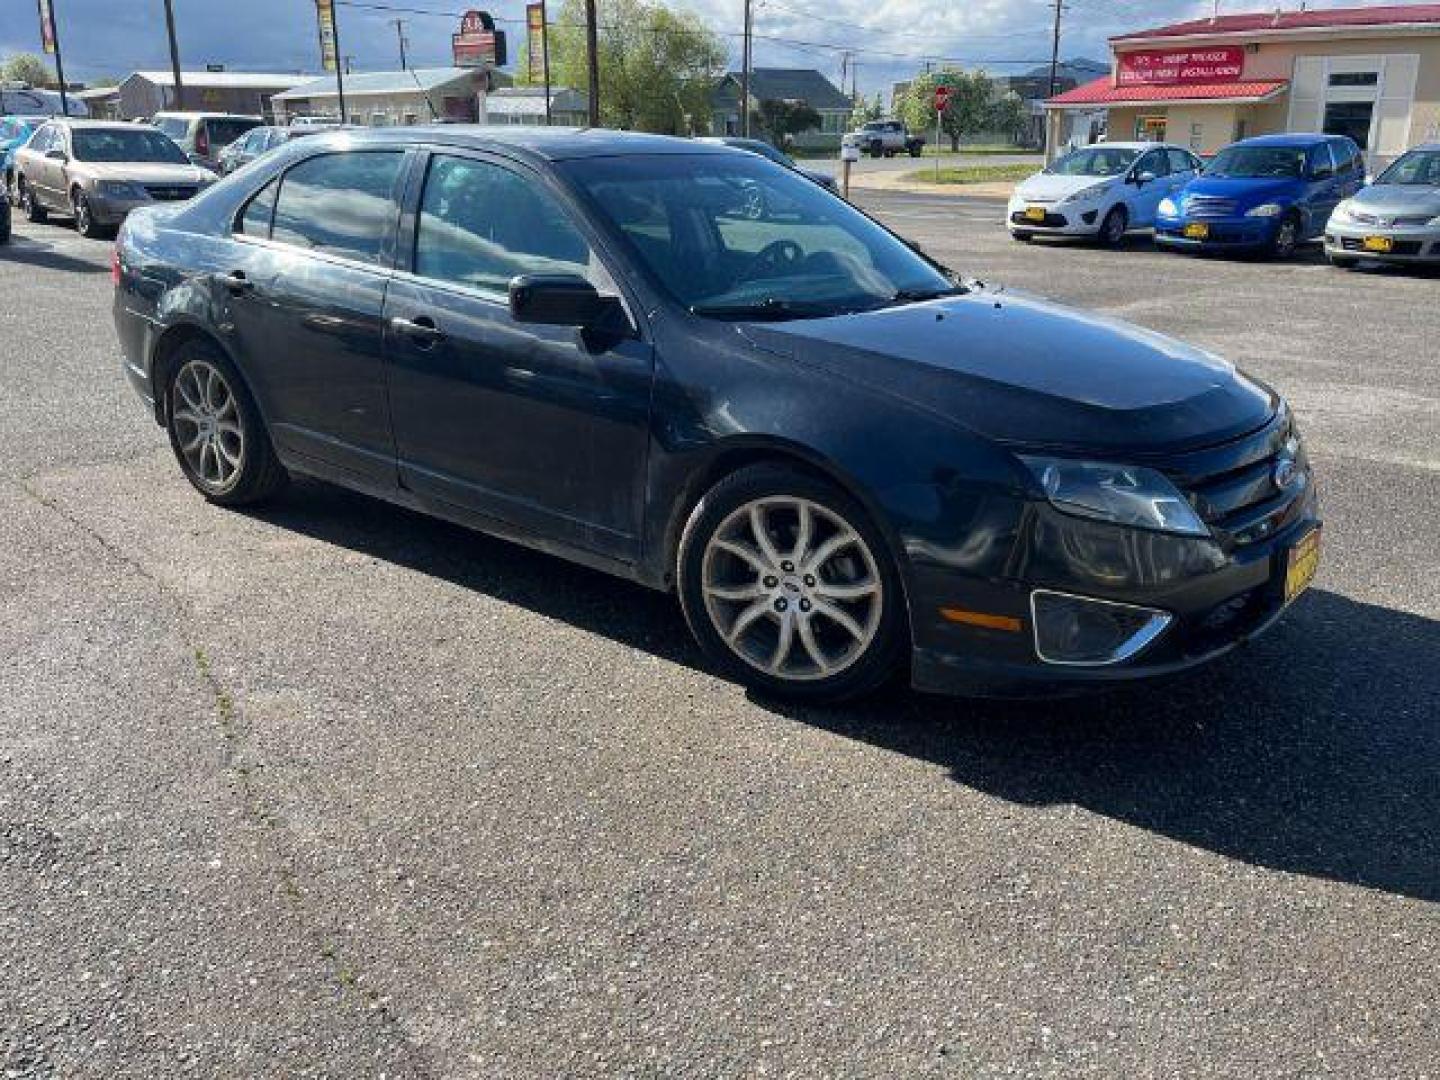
[421,330]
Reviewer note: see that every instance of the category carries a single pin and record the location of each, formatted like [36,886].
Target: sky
[891,38]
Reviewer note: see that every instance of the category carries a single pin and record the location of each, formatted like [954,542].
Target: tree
[967,112]
[866,111]
[657,66]
[27,68]
[1010,117]
[781,119]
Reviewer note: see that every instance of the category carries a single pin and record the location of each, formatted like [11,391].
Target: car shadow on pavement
[1315,750]
[27,252]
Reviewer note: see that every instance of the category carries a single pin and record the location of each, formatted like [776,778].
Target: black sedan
[841,456]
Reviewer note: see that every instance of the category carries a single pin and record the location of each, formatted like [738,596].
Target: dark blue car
[1265,194]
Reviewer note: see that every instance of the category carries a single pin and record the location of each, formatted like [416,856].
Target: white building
[249,93]
[526,105]
[385,98]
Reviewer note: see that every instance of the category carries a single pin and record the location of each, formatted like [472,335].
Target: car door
[303,287]
[545,428]
[39,167]
[1322,191]
[1144,198]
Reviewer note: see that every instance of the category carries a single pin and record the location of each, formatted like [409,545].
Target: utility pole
[745,70]
[49,9]
[178,103]
[344,62]
[1055,48]
[592,62]
[399,25]
[545,58]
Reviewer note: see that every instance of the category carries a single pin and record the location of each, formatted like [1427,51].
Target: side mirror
[1143,178]
[1325,172]
[564,300]
[57,155]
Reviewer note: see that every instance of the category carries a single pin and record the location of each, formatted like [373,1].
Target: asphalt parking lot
[332,789]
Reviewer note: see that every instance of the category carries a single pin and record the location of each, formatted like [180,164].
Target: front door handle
[421,330]
[237,282]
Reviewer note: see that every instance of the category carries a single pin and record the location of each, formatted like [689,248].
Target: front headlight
[1168,208]
[1123,494]
[121,189]
[1434,222]
[1342,212]
[1094,191]
[1268,209]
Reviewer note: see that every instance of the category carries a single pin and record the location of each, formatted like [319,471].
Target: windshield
[1095,161]
[125,144]
[174,126]
[1419,167]
[1257,162]
[735,236]
[224,132]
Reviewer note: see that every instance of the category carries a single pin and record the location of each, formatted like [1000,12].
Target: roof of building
[794,84]
[1333,18]
[360,84]
[1103,91]
[223,80]
[523,100]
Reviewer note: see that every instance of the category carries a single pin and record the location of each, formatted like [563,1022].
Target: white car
[1104,191]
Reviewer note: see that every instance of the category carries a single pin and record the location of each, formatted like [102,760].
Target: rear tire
[34,212]
[789,587]
[216,431]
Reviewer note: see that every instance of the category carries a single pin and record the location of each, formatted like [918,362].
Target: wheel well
[162,361]
[732,461]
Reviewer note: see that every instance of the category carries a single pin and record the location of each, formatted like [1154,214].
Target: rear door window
[255,218]
[224,132]
[1180,161]
[174,126]
[340,203]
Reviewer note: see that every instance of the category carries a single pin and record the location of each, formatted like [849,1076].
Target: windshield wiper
[916,296]
[771,307]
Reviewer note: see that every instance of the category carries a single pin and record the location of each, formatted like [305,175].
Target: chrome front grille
[169,192]
[1211,206]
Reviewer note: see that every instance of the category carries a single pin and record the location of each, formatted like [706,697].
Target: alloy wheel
[207,425]
[792,588]
[82,215]
[1285,237]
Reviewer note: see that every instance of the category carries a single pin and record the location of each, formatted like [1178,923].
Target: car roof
[75,122]
[1296,139]
[545,143]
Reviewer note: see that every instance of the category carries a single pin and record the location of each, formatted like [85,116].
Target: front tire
[1287,237]
[216,431]
[1113,228]
[789,588]
[85,223]
[1023,237]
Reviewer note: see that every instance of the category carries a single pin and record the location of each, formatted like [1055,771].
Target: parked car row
[1268,194]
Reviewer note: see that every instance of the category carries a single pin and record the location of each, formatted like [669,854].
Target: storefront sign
[325,16]
[1178,67]
[478,44]
[47,27]
[535,29]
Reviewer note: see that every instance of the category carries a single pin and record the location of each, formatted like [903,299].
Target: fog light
[1079,630]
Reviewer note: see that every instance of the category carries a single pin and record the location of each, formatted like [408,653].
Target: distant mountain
[1081,70]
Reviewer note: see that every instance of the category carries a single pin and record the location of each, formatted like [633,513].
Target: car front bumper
[1061,219]
[1411,245]
[1236,234]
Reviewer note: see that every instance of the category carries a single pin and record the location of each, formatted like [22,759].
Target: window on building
[340,203]
[1351,119]
[1355,78]
[481,225]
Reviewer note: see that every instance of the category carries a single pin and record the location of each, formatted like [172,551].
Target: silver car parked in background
[1395,219]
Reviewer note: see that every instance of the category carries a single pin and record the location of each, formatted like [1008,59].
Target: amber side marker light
[980,618]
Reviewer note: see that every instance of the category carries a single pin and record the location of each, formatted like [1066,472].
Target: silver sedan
[1396,219]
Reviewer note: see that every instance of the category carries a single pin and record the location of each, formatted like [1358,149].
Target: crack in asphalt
[234,732]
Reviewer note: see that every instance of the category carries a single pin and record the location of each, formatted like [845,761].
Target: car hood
[146,172]
[1049,186]
[1026,371]
[1397,200]
[1245,190]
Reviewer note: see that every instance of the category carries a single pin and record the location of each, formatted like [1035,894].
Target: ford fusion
[843,458]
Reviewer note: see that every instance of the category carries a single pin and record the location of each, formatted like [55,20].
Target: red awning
[1104,92]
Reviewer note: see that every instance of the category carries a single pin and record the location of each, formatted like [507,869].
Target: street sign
[942,98]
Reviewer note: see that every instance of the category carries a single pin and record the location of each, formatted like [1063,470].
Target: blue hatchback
[1269,194]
